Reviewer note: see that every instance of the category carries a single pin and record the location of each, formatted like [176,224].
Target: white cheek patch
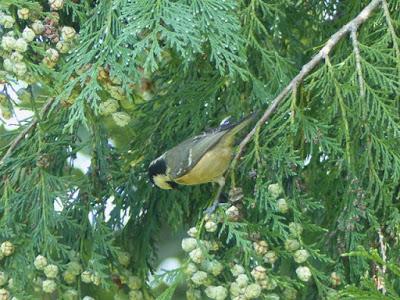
[161,182]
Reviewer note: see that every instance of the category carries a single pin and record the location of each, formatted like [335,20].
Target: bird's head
[158,174]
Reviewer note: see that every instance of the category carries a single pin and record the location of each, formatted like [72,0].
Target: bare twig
[24,132]
[307,68]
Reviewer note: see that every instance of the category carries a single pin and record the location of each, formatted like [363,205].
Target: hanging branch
[357,57]
[391,28]
[307,68]
[24,132]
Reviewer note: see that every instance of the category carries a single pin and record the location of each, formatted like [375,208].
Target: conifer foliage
[313,201]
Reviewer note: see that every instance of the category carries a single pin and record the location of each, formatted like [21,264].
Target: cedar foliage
[148,74]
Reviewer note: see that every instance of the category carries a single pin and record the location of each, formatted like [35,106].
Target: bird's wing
[188,153]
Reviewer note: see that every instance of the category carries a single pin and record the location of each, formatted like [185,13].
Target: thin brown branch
[24,132]
[307,68]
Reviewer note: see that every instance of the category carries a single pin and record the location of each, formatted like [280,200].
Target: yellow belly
[209,168]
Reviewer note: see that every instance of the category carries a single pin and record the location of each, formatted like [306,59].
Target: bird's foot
[219,196]
[222,199]
[211,209]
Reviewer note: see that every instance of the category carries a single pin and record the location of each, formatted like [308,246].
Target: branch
[391,28]
[307,68]
[357,57]
[24,132]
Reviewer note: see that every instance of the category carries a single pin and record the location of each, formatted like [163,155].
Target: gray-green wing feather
[187,154]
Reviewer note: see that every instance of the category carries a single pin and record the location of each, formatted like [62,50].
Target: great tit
[200,159]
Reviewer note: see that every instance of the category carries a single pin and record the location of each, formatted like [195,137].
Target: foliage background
[141,76]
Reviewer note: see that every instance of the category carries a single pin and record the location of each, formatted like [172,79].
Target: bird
[198,160]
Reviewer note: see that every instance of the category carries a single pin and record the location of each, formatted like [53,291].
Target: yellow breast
[209,168]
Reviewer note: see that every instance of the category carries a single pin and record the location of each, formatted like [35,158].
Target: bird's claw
[211,209]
